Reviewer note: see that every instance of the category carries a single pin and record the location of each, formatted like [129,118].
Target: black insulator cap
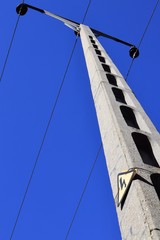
[22,9]
[133,52]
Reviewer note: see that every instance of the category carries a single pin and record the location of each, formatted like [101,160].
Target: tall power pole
[131,142]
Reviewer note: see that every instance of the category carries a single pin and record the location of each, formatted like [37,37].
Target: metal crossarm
[75,26]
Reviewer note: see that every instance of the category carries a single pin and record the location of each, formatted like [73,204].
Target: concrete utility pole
[131,142]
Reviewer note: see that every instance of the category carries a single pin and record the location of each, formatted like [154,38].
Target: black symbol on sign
[122,183]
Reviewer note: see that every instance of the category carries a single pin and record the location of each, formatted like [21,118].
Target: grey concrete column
[130,142]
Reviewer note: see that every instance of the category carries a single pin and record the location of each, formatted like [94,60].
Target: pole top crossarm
[23,8]
[75,26]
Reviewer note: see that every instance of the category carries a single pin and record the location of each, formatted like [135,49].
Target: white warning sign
[124,180]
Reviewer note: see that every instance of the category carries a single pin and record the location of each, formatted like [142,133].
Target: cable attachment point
[134,52]
[22,9]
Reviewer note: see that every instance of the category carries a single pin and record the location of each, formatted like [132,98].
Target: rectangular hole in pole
[145,149]
[90,37]
[92,41]
[101,59]
[129,116]
[95,46]
[106,68]
[98,52]
[155,178]
[119,96]
[111,79]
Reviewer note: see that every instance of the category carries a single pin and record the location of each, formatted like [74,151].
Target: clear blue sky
[28,89]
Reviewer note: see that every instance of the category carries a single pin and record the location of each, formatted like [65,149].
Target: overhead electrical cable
[10,46]
[83,191]
[86,12]
[143,35]
[43,140]
[46,131]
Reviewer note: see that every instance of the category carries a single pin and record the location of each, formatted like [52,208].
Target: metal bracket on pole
[75,26]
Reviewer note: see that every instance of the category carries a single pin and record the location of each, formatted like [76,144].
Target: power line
[43,140]
[89,4]
[83,192]
[153,12]
[10,45]
[143,35]
[46,131]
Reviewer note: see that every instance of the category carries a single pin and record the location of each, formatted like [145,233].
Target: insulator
[133,52]
[22,9]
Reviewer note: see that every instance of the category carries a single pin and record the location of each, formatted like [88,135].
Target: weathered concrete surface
[139,215]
